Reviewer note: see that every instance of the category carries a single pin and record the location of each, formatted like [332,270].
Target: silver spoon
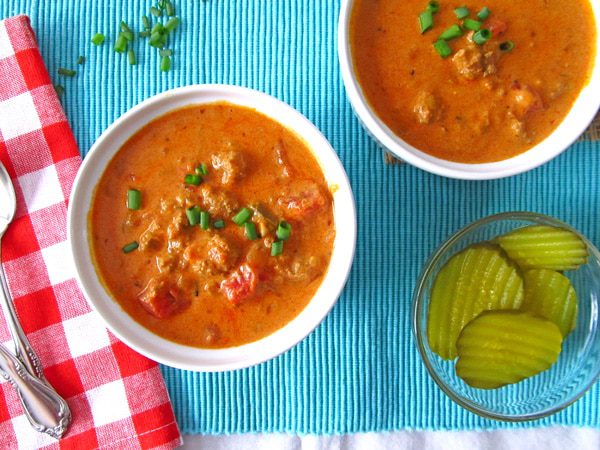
[47,411]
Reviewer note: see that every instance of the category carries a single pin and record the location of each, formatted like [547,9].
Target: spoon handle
[23,349]
[47,411]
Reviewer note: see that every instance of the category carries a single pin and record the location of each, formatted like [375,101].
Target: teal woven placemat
[360,369]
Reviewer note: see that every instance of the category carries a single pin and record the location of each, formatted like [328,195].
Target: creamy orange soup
[480,103]
[184,264]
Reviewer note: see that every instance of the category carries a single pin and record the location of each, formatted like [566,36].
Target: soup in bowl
[473,90]
[211,227]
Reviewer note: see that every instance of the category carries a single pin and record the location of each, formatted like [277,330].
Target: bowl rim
[138,337]
[417,310]
[572,126]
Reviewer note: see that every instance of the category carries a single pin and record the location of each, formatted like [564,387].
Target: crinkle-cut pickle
[550,294]
[476,279]
[504,347]
[544,247]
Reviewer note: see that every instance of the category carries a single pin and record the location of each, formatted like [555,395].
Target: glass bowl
[578,364]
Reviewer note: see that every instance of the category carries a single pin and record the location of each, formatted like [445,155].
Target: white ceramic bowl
[138,337]
[574,124]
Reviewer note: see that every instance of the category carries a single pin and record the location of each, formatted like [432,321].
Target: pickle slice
[544,247]
[504,347]
[476,279]
[550,294]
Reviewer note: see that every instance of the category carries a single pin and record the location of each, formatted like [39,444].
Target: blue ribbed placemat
[359,370]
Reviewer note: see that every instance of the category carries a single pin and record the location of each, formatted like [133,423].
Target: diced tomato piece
[240,285]
[497,27]
[300,199]
[161,299]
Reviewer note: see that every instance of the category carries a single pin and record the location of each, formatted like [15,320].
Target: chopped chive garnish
[204,220]
[66,72]
[155,39]
[134,199]
[482,36]
[146,22]
[218,224]
[442,48]
[433,6]
[130,247]
[170,10]
[172,24]
[284,230]
[127,35]
[451,33]
[506,46]
[120,44]
[193,215]
[165,64]
[155,12]
[277,248]
[242,216]
[202,169]
[484,13]
[471,24]
[81,60]
[59,90]
[158,28]
[462,12]
[124,26]
[131,58]
[165,52]
[144,33]
[425,21]
[98,39]
[194,179]
[250,230]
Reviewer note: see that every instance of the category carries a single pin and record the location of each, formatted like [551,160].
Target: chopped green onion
[484,13]
[165,52]
[482,36]
[204,220]
[426,21]
[127,35]
[130,247]
[202,169]
[165,64]
[81,60]
[131,58]
[194,179]
[120,44]
[144,33]
[250,229]
[158,28]
[506,46]
[277,248]
[193,215]
[242,216]
[171,24]
[155,39]
[98,39]
[451,33]
[59,90]
[155,12]
[442,48]
[169,9]
[146,22]
[462,12]
[433,6]
[218,224]
[284,230]
[124,26]
[134,199]
[471,24]
[66,72]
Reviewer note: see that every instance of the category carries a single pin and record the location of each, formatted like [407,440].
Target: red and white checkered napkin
[117,397]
